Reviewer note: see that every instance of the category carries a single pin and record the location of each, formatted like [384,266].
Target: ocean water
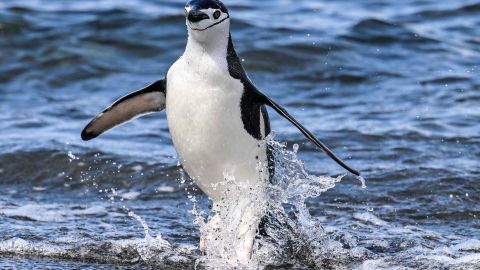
[393,87]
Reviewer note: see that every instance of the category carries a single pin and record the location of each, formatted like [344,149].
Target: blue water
[391,86]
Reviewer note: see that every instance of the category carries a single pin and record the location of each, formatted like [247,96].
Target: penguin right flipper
[144,101]
[280,110]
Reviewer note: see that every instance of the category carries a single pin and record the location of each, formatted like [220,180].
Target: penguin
[217,117]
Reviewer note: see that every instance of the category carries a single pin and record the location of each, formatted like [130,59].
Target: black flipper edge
[279,109]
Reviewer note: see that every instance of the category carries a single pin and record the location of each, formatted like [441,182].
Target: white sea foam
[39,189]
[470,245]
[43,213]
[50,212]
[94,210]
[165,189]
[370,218]
[148,248]
[471,259]
[22,247]
[154,251]
[131,195]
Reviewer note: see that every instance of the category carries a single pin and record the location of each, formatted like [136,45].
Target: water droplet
[71,156]
[295,148]
[362,180]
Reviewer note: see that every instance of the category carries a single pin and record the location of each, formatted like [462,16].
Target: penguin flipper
[144,101]
[280,110]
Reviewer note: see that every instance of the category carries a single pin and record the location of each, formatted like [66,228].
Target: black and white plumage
[217,117]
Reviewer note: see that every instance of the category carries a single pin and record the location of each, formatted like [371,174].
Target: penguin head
[207,18]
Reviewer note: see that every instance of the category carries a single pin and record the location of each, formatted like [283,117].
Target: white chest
[204,118]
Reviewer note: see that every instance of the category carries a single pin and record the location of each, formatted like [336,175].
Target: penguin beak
[195,16]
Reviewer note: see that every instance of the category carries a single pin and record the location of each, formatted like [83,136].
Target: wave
[377,31]
[445,80]
[388,247]
[55,168]
[148,251]
[466,10]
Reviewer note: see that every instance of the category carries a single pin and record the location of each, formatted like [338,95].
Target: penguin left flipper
[280,110]
[144,101]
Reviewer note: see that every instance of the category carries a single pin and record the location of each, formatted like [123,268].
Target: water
[391,86]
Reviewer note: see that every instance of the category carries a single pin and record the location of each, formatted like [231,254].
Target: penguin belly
[204,118]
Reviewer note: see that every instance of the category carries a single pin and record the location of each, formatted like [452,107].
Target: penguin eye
[217,14]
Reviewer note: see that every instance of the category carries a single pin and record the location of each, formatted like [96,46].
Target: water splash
[146,229]
[288,234]
[224,232]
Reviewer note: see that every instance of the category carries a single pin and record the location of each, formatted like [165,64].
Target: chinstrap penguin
[216,116]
